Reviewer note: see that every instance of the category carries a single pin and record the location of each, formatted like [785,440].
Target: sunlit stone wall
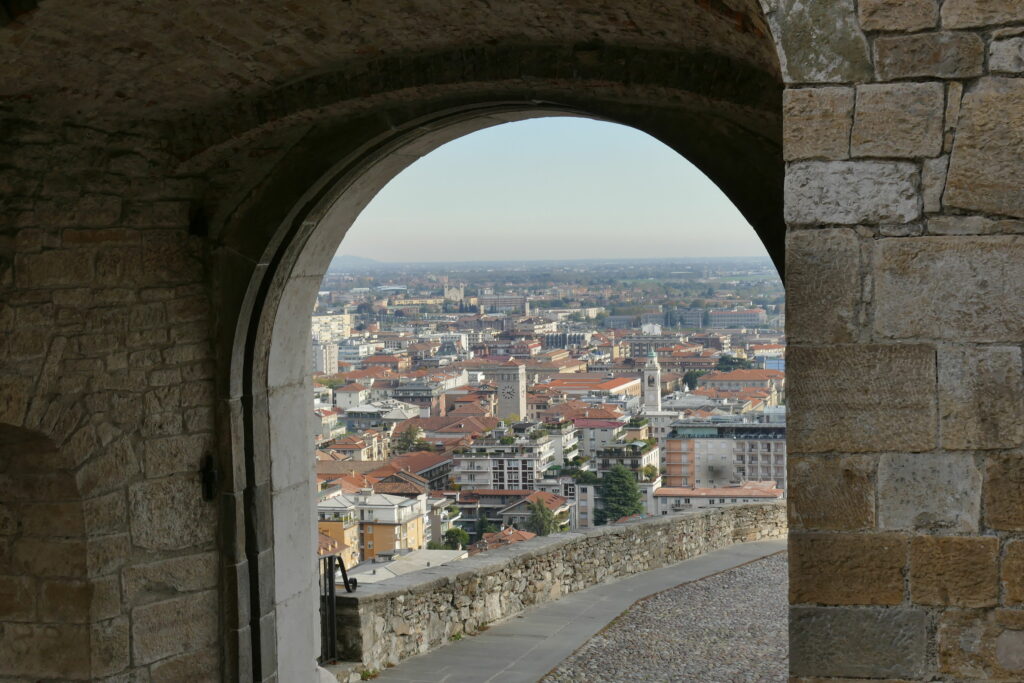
[904,137]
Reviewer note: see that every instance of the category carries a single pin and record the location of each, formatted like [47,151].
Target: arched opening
[58,602]
[278,377]
[716,99]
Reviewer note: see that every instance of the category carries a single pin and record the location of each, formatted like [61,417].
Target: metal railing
[330,565]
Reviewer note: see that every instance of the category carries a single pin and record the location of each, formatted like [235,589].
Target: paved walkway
[525,648]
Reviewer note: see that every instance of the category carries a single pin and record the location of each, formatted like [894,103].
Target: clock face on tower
[507,392]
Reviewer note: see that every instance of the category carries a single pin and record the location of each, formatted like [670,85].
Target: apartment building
[388,523]
[508,458]
[332,328]
[325,357]
[727,450]
[670,499]
[755,317]
[337,518]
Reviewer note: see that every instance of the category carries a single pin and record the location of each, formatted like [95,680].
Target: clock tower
[652,383]
[511,380]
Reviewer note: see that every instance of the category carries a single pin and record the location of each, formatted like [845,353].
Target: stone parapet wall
[381,624]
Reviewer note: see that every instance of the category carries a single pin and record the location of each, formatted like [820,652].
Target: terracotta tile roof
[507,536]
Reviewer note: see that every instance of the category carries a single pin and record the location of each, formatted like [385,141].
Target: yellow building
[336,518]
[388,523]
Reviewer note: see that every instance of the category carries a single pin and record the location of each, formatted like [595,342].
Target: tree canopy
[620,495]
[456,538]
[542,520]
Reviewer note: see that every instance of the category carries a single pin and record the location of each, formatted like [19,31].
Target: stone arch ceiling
[156,61]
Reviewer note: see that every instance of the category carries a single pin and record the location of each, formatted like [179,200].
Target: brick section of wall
[382,624]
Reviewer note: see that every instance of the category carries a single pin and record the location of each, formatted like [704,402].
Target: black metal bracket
[210,476]
[350,584]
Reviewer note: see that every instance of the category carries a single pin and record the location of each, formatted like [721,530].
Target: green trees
[410,440]
[455,538]
[691,378]
[621,496]
[729,363]
[650,472]
[542,520]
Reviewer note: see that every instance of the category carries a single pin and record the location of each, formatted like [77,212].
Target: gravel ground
[727,627]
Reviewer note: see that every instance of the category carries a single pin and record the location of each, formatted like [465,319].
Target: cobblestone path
[729,627]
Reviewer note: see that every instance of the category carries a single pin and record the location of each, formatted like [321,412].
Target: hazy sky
[551,188]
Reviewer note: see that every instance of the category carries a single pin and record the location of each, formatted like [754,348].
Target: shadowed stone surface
[840,413]
[1004,492]
[986,170]
[1013,573]
[846,481]
[823,276]
[847,569]
[857,642]
[957,571]
[981,397]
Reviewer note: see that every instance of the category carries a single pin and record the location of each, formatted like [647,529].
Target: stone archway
[278,377]
[60,605]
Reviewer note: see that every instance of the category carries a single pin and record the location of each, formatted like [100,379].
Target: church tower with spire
[652,383]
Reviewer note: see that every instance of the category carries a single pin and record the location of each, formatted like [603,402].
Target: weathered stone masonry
[154,161]
[381,624]
[904,193]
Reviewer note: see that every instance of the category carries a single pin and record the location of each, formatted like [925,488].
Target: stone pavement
[525,648]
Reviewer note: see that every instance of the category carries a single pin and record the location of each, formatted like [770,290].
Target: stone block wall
[904,139]
[381,624]
[108,553]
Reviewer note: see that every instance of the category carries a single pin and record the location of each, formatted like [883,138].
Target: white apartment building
[595,434]
[325,357]
[752,316]
[511,458]
[672,500]
[354,351]
[334,327]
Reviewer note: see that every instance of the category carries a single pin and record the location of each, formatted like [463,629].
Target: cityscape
[463,407]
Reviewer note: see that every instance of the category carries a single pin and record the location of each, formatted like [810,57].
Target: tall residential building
[325,357]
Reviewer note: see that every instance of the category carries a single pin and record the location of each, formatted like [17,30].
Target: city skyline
[529,188]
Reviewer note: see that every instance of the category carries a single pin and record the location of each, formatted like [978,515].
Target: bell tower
[652,383]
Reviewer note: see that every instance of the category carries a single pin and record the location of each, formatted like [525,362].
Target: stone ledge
[382,624]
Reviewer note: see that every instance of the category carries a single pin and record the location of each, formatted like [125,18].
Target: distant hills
[351,262]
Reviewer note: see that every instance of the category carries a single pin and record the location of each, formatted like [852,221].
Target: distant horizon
[368,259]
[558,185]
